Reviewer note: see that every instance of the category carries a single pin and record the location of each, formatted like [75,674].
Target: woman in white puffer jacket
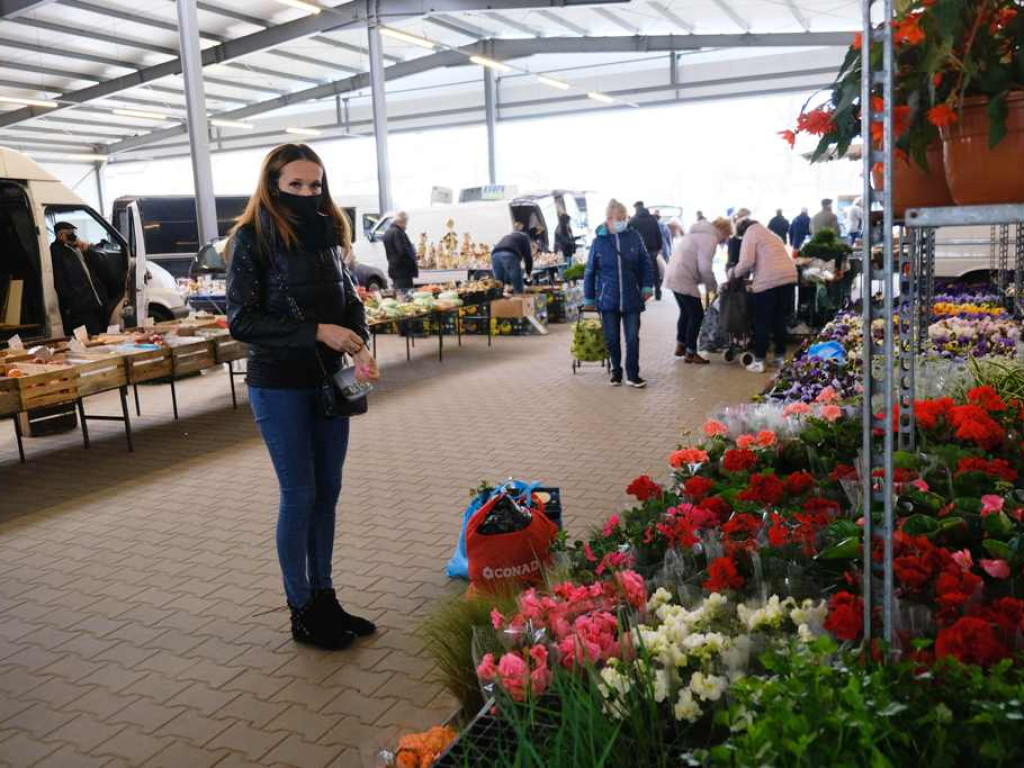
[689,268]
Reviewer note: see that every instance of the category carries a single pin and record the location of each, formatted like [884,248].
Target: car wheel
[375,284]
[160,314]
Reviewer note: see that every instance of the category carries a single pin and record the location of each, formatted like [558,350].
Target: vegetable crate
[43,385]
[190,355]
[148,365]
[99,374]
[10,398]
[226,349]
[487,740]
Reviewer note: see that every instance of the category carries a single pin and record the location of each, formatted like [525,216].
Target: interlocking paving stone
[142,620]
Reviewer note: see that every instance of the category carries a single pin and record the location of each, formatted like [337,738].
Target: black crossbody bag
[331,403]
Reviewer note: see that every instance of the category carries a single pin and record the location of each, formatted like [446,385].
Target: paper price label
[148,323]
[82,334]
[113,330]
[77,347]
[15,342]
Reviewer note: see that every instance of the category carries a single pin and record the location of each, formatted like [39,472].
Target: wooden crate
[225,347]
[190,355]
[99,373]
[148,364]
[10,398]
[44,385]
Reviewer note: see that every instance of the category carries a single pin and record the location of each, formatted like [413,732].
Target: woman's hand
[366,366]
[339,339]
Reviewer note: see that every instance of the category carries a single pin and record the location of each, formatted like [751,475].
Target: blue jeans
[308,452]
[508,268]
[630,322]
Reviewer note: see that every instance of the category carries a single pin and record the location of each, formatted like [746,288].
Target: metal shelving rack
[879,391]
[907,264]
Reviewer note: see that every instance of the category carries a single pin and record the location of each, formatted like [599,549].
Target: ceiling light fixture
[604,98]
[559,84]
[302,5]
[141,114]
[483,61]
[230,123]
[29,102]
[304,131]
[405,37]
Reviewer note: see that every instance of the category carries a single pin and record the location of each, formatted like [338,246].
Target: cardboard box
[517,306]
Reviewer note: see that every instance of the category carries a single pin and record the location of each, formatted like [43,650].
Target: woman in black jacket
[291,299]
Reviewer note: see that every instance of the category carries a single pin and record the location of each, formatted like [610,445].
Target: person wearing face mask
[80,293]
[290,297]
[618,280]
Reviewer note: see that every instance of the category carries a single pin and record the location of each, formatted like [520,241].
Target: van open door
[137,247]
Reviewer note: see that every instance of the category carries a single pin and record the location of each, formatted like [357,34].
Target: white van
[485,222]
[32,201]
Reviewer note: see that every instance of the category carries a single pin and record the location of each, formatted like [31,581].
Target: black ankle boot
[339,617]
[312,625]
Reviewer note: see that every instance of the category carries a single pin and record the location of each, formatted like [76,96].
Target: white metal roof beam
[508,49]
[729,11]
[229,13]
[670,15]
[798,15]
[459,26]
[351,13]
[142,45]
[11,9]
[615,19]
[564,23]
[513,24]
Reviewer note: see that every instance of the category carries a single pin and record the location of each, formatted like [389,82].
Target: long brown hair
[266,200]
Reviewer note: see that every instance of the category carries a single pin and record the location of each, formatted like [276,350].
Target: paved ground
[141,618]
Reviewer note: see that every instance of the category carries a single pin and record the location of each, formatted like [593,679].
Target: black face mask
[305,209]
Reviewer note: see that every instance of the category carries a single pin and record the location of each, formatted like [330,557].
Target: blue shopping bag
[458,566]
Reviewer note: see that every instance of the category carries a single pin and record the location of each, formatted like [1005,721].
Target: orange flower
[858,41]
[789,137]
[942,115]
[1003,18]
[908,31]
[877,104]
[816,122]
[900,120]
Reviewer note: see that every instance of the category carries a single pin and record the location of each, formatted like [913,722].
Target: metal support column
[1018,270]
[198,128]
[879,392]
[907,321]
[1004,259]
[673,72]
[380,112]
[491,112]
[98,170]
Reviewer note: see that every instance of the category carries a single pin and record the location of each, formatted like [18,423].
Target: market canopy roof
[112,69]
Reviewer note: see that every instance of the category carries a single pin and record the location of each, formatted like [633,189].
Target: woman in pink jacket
[688,269]
[764,254]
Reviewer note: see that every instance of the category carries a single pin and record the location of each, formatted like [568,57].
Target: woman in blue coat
[618,280]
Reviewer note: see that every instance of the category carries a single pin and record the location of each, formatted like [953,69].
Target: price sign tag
[15,342]
[82,334]
[113,330]
[148,323]
[77,347]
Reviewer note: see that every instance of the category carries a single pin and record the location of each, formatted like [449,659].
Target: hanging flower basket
[980,174]
[915,187]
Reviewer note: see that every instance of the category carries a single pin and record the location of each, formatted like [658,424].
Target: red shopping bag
[497,558]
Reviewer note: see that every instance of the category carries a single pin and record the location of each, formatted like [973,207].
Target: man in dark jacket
[511,257]
[779,224]
[401,253]
[646,224]
[799,229]
[80,293]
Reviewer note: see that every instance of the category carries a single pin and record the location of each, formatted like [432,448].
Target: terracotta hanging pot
[916,187]
[976,174]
